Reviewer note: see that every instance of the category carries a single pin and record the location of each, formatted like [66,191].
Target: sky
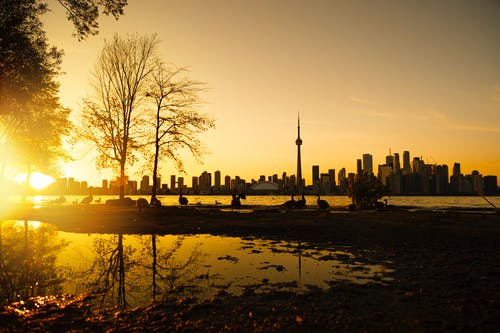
[366,77]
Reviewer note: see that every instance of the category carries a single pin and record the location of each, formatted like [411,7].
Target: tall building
[456,180]
[368,164]
[331,172]
[384,171]
[172,182]
[396,167]
[441,179]
[315,173]
[217,181]
[298,142]
[490,185]
[144,184]
[359,166]
[389,160]
[195,184]
[205,183]
[406,162]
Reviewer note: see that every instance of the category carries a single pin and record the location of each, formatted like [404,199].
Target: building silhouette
[298,142]
[368,164]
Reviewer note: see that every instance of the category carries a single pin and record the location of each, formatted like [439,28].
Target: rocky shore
[446,272]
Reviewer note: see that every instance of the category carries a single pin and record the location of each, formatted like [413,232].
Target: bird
[290,203]
[235,202]
[60,200]
[217,202]
[98,200]
[301,203]
[182,200]
[141,203]
[87,200]
[322,204]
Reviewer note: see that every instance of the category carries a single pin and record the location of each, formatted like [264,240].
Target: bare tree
[177,121]
[110,117]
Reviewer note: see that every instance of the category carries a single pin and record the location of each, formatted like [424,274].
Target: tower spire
[298,142]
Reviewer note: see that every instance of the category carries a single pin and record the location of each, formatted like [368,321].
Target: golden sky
[366,77]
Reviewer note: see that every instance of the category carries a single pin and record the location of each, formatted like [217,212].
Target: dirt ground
[446,272]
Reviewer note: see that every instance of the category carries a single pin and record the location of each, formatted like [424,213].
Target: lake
[433,202]
[129,270]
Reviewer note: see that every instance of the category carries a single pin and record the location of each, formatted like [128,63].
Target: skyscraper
[315,173]
[298,142]
[396,166]
[217,181]
[368,164]
[406,162]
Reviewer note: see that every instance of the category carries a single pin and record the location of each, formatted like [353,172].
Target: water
[39,260]
[431,202]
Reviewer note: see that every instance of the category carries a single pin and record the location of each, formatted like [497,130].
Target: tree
[176,121]
[32,121]
[110,116]
[26,60]
[85,14]
[37,140]
[366,190]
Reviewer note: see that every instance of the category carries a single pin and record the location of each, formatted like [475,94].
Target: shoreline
[445,267]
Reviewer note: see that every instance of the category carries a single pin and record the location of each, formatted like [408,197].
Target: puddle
[131,270]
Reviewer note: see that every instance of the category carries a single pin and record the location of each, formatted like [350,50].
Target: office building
[368,164]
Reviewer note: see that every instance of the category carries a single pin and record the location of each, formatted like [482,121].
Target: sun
[38,180]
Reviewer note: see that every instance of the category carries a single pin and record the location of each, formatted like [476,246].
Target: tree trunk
[122,301]
[154,268]
[157,153]
[122,180]
[155,175]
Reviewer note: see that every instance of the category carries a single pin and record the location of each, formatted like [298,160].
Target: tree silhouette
[176,119]
[112,262]
[111,117]
[366,190]
[28,71]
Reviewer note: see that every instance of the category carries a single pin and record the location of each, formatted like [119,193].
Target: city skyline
[335,181]
[419,76]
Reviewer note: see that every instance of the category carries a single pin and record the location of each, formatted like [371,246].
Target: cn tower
[298,142]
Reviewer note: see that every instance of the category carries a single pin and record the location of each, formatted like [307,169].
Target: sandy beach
[446,269]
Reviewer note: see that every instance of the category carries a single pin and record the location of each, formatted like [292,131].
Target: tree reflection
[122,275]
[111,263]
[28,254]
[169,268]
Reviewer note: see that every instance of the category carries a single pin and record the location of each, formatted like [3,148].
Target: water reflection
[131,270]
[28,253]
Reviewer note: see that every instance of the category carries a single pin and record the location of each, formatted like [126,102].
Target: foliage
[84,14]
[110,116]
[28,261]
[32,121]
[366,190]
[27,64]
[176,120]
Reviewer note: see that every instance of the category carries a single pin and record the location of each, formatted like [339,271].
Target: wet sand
[446,272]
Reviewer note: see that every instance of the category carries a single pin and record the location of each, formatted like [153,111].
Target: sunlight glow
[38,180]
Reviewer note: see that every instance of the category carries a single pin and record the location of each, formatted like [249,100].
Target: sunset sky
[366,77]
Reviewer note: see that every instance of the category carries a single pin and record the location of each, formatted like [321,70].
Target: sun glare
[38,180]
